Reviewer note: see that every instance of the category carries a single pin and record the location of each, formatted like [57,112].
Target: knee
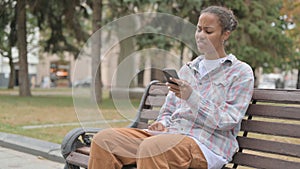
[103,135]
[150,147]
[104,139]
[157,145]
[145,148]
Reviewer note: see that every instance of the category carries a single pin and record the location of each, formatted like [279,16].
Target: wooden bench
[269,137]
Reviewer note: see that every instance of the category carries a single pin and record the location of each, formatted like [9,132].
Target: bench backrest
[151,102]
[270,132]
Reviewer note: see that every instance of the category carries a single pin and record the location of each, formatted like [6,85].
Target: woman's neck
[214,55]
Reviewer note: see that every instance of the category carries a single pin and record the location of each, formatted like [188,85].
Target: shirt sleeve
[231,111]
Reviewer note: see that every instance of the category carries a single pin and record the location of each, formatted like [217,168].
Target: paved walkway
[20,152]
[11,159]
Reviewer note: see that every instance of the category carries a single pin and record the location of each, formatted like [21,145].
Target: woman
[201,117]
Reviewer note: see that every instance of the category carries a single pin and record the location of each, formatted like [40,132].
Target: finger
[174,80]
[178,81]
[152,126]
[161,127]
[176,90]
[173,88]
[172,85]
[178,95]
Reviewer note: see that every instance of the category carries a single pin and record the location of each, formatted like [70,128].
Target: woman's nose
[200,35]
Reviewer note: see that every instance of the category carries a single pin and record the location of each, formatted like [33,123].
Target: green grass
[37,101]
[48,108]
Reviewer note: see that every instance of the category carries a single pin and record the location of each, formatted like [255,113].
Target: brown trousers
[113,148]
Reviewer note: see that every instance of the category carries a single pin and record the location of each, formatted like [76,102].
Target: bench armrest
[76,138]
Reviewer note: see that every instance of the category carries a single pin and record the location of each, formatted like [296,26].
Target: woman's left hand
[183,90]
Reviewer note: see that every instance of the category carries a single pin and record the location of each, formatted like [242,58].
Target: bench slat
[84,150]
[274,111]
[156,101]
[282,96]
[263,162]
[142,125]
[149,114]
[158,89]
[269,146]
[272,128]
[78,159]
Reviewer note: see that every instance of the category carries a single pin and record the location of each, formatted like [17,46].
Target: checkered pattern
[216,107]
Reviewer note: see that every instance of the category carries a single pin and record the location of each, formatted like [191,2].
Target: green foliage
[8,37]
[65,25]
[259,39]
[62,24]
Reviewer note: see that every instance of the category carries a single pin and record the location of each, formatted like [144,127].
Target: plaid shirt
[216,107]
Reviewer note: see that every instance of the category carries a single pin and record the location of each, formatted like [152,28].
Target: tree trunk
[24,89]
[298,80]
[11,82]
[181,53]
[257,76]
[125,72]
[96,52]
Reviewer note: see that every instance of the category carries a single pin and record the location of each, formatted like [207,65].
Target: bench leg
[69,166]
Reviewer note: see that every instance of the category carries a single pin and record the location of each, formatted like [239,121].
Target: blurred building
[33,62]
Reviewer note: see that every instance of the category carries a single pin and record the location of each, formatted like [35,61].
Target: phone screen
[170,73]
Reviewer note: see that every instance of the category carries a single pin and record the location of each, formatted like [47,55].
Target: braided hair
[226,17]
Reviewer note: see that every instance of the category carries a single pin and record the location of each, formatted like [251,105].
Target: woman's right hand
[157,126]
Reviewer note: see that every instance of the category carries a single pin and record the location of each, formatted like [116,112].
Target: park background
[40,42]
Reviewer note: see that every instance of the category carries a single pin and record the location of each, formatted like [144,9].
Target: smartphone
[170,73]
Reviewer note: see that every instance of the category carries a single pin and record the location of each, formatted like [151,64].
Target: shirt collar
[230,58]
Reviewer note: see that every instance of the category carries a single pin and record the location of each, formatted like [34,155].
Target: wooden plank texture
[283,112]
[158,90]
[156,101]
[273,147]
[84,150]
[142,125]
[149,114]
[263,162]
[283,96]
[272,128]
[78,159]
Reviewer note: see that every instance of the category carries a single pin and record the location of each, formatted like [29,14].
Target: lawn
[50,114]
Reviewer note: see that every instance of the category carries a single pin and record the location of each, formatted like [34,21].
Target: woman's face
[209,36]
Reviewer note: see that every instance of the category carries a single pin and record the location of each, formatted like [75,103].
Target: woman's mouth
[201,44]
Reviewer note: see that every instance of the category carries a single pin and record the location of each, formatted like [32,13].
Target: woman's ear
[226,35]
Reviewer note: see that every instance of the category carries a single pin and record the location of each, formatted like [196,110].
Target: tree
[8,35]
[290,17]
[259,39]
[62,24]
[114,10]
[24,88]
[96,47]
